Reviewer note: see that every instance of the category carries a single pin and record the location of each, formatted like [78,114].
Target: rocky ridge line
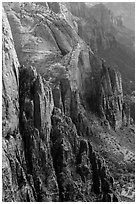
[44,139]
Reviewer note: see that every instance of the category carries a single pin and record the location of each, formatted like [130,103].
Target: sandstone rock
[75,163]
[82,67]
[112,97]
[15,185]
[10,81]
[48,139]
[36,133]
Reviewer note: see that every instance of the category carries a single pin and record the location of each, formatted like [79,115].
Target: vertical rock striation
[15,184]
[48,154]
[81,174]
[36,105]
[111,99]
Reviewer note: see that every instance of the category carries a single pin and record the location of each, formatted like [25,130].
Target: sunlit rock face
[112,97]
[53,84]
[15,184]
[25,121]
[10,80]
[82,68]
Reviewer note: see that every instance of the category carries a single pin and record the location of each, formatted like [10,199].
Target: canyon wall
[51,79]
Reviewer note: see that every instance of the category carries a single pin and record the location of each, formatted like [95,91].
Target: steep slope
[69,102]
[15,185]
[24,152]
[26,145]
[81,67]
[107,35]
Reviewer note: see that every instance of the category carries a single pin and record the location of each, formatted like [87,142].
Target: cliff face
[112,97]
[49,87]
[10,80]
[107,36]
[82,69]
[13,163]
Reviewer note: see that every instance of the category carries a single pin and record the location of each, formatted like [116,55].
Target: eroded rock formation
[48,88]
